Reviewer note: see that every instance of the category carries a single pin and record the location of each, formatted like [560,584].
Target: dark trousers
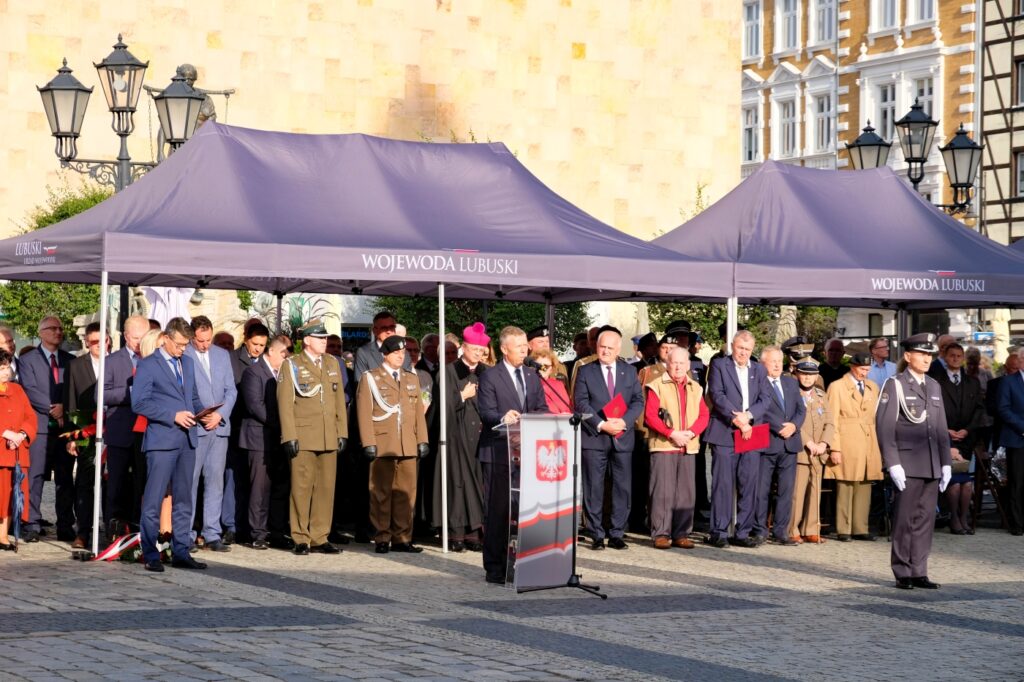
[700,473]
[139,468]
[640,509]
[85,475]
[485,477]
[782,466]
[174,468]
[48,454]
[496,527]
[235,503]
[596,464]
[120,493]
[1015,486]
[912,527]
[671,494]
[259,494]
[733,474]
[280,471]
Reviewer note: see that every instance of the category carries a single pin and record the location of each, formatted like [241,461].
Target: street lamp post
[917,131]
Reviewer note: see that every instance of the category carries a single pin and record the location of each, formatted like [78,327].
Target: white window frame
[921,11]
[886,124]
[877,24]
[814,9]
[927,99]
[750,125]
[823,128]
[788,129]
[753,28]
[781,15]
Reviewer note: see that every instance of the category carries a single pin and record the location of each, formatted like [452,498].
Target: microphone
[532,364]
[575,419]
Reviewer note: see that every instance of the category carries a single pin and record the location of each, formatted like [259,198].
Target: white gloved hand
[898,476]
[947,473]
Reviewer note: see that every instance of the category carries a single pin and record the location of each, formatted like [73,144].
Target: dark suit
[80,396]
[1011,436]
[732,473]
[235,504]
[965,409]
[126,477]
[497,395]
[780,458]
[170,449]
[47,451]
[260,437]
[602,451]
[922,450]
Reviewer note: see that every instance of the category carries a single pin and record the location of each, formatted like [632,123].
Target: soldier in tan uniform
[393,430]
[817,432]
[314,427]
[855,461]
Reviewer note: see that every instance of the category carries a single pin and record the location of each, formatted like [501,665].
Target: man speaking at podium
[507,390]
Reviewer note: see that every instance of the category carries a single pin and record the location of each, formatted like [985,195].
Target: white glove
[947,473]
[898,476]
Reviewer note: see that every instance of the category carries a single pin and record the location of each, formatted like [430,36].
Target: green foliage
[24,303]
[419,315]
[244,300]
[817,323]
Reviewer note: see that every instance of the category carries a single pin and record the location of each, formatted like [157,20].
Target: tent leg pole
[97,486]
[549,320]
[442,448]
[902,324]
[731,321]
[280,296]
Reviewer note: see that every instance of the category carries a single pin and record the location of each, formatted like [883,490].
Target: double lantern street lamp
[961,156]
[121,74]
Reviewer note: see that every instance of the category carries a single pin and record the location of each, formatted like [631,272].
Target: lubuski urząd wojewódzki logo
[942,281]
[35,252]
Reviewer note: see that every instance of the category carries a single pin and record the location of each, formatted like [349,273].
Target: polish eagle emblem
[552,460]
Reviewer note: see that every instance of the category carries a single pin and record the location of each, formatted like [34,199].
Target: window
[789,24]
[886,14]
[752,28]
[1019,69]
[874,325]
[823,122]
[1018,158]
[887,111]
[751,146]
[924,10]
[787,128]
[924,91]
[824,21]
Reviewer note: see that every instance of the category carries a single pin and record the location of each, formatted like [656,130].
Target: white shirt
[950,373]
[604,374]
[918,377]
[743,374]
[270,367]
[512,373]
[95,366]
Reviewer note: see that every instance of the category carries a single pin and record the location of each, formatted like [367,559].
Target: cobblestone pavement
[809,612]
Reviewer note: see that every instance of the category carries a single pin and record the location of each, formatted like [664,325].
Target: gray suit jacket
[219,387]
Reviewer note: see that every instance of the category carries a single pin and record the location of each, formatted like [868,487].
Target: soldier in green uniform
[393,430]
[314,427]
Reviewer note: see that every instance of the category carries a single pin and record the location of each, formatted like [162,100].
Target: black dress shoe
[282,542]
[865,537]
[457,546]
[957,531]
[969,531]
[758,540]
[719,542]
[1013,531]
[905,583]
[382,548]
[260,544]
[188,563]
[406,547]
[326,548]
[924,583]
[154,566]
[301,549]
[474,546]
[337,538]
[31,536]
[495,579]
[6,547]
[218,546]
[617,543]
[228,538]
[597,544]
[362,537]
[844,537]
[785,542]
[749,543]
[66,535]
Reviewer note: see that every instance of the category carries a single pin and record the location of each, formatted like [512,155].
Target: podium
[544,502]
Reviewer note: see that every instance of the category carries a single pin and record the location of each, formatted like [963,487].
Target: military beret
[315,328]
[792,341]
[860,359]
[646,339]
[921,343]
[537,332]
[806,367]
[392,344]
[669,338]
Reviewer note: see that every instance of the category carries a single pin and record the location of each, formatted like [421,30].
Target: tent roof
[250,209]
[863,238]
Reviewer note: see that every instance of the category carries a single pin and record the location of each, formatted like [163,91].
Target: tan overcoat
[855,437]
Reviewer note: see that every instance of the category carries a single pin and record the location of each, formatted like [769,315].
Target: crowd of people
[287,443]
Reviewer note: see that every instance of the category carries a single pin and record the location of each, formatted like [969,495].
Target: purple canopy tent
[844,238]
[236,208]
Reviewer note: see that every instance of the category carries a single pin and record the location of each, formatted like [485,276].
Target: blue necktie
[177,371]
[778,390]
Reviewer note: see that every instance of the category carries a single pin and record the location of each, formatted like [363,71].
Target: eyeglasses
[177,344]
[387,327]
[51,329]
[93,342]
[544,366]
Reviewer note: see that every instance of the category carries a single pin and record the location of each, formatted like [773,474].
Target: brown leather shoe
[814,539]
[78,543]
[796,539]
[685,543]
[662,542]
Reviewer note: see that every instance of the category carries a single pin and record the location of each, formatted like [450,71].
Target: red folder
[615,409]
[758,439]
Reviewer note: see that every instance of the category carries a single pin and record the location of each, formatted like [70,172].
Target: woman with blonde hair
[552,380]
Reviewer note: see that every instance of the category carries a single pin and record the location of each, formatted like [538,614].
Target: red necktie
[54,369]
[611,383]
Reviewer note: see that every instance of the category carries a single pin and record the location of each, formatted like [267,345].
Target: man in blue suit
[125,472]
[42,376]
[1011,436]
[785,415]
[607,440]
[164,392]
[739,393]
[506,391]
[215,383]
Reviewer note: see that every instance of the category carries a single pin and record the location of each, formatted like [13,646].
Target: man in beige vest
[817,432]
[314,427]
[675,414]
[855,461]
[393,430]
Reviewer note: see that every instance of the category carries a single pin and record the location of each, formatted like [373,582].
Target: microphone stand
[574,580]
